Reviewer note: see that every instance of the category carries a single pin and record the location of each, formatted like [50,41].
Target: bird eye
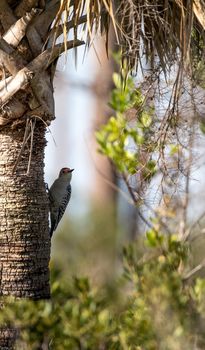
[64,171]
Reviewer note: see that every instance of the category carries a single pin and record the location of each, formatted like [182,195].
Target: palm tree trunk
[24,240]
[28,57]
[27,66]
[8,336]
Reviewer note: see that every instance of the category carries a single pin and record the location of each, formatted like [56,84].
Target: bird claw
[47,188]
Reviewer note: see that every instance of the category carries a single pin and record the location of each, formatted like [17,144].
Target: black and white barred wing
[57,214]
[63,205]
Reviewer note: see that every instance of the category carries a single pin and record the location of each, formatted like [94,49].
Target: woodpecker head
[66,173]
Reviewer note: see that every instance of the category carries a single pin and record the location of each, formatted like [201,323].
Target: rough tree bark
[27,65]
[24,240]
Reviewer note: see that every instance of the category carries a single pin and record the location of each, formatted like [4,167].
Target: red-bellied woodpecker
[59,196]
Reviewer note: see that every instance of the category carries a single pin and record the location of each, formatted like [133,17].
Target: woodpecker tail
[52,229]
[51,232]
[53,223]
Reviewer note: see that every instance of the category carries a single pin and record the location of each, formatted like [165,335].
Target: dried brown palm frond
[142,27]
[96,16]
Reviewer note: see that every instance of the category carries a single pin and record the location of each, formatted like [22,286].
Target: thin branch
[182,231]
[186,198]
[115,187]
[136,202]
[111,184]
[40,113]
[28,134]
[189,231]
[160,220]
[32,124]
[25,140]
[194,270]
[33,115]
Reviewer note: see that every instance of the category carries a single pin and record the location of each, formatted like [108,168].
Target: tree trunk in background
[103,194]
[104,190]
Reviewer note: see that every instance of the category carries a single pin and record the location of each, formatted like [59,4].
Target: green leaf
[174,149]
[146,119]
[117,80]
[154,239]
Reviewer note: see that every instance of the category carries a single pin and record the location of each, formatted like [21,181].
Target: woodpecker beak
[70,171]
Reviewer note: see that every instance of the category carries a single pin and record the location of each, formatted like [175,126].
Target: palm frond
[142,27]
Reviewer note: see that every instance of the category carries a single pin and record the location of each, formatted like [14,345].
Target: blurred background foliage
[151,304]
[112,289]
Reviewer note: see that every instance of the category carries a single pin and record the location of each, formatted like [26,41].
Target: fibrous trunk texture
[24,240]
[8,337]
[28,57]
